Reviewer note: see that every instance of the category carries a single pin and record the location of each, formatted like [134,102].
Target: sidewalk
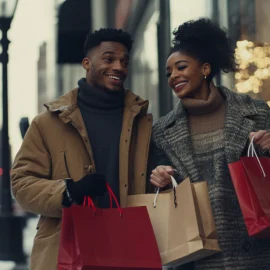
[29,234]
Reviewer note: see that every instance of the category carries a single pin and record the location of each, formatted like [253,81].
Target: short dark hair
[107,34]
[207,42]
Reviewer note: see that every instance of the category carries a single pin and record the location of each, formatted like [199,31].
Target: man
[97,132]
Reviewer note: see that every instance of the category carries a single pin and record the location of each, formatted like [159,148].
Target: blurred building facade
[151,23]
[42,77]
[47,70]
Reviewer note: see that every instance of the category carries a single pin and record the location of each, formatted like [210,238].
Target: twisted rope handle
[252,152]
[174,183]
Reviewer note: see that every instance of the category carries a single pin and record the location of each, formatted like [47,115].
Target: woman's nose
[175,74]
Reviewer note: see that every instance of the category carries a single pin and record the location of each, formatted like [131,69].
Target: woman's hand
[161,176]
[262,139]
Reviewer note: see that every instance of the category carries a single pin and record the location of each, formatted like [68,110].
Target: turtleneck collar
[92,98]
[200,107]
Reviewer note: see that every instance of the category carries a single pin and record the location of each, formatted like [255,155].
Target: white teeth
[114,77]
[179,84]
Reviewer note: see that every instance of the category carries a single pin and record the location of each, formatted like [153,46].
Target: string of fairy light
[254,66]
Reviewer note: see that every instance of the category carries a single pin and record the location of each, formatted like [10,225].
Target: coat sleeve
[268,119]
[267,127]
[31,176]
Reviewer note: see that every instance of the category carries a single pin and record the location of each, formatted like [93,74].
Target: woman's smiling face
[186,75]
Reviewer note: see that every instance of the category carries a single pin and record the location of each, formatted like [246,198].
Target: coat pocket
[64,163]
[41,219]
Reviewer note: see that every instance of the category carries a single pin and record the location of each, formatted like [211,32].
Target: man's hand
[161,176]
[92,185]
[262,139]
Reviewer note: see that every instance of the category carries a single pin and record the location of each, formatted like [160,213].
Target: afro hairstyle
[205,41]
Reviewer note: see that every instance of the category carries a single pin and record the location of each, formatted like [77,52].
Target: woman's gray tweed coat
[172,144]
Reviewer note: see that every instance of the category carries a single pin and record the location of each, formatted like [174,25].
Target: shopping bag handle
[88,201]
[252,152]
[112,196]
[174,184]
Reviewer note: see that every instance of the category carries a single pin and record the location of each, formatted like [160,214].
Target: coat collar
[67,104]
[238,102]
[238,126]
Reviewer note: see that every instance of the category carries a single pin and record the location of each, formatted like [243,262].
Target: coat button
[88,168]
[246,246]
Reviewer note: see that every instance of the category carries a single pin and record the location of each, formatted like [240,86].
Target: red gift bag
[251,180]
[103,239]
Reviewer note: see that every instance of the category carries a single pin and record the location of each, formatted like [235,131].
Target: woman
[209,128]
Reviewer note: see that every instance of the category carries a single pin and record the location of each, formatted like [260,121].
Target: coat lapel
[179,144]
[238,125]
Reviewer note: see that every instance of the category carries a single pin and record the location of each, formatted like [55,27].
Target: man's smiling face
[107,66]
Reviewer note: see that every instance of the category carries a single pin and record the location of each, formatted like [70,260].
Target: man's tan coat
[57,146]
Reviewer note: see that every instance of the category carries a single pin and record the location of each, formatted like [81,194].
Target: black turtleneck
[102,113]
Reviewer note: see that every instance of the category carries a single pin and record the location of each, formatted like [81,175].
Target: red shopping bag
[251,180]
[114,238]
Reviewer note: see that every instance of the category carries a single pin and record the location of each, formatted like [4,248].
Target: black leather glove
[90,185]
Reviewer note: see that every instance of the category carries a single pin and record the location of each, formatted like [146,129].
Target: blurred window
[252,47]
[144,65]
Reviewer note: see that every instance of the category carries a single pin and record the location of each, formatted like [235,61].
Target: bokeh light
[254,66]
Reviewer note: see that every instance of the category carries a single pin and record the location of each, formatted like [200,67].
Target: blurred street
[29,233]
